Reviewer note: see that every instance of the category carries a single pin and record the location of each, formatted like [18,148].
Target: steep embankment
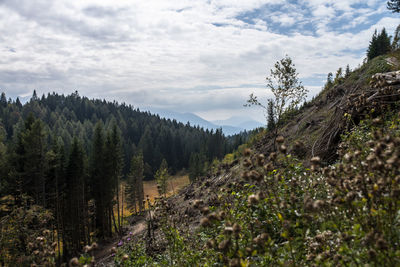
[315,129]
[255,218]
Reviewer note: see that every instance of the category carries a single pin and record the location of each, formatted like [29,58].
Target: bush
[284,214]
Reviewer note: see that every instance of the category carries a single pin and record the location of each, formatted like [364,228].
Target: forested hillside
[65,117]
[64,157]
[318,186]
[324,192]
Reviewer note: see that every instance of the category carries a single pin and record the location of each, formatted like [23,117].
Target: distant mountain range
[229,126]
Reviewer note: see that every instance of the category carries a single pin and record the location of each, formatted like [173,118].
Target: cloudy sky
[200,56]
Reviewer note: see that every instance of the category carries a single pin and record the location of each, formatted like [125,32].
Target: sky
[200,56]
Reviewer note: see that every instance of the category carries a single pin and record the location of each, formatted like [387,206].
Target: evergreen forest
[68,156]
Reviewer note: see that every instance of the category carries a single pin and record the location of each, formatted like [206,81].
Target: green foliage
[25,238]
[197,165]
[66,117]
[379,44]
[271,124]
[329,80]
[394,5]
[364,73]
[285,86]
[162,176]
[285,214]
[133,254]
[134,189]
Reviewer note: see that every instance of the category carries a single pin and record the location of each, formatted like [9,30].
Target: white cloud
[133,51]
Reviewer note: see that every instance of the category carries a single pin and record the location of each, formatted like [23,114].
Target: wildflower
[337,258]
[272,156]
[255,175]
[260,195]
[381,244]
[317,205]
[228,230]
[213,216]
[74,262]
[120,243]
[210,244]
[269,167]
[280,139]
[234,263]
[205,222]
[205,210]
[197,203]
[247,152]
[224,245]
[128,239]
[221,214]
[237,228]
[315,160]
[253,200]
[372,253]
[125,257]
[86,249]
[246,175]
[247,163]
[350,196]
[376,121]
[260,159]
[320,238]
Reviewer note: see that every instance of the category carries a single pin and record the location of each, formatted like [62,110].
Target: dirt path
[103,256]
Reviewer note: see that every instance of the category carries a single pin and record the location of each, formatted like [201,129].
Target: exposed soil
[314,131]
[103,255]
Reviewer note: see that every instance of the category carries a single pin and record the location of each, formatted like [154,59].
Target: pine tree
[3,162]
[3,100]
[134,189]
[339,75]
[384,44]
[18,103]
[347,72]
[271,115]
[27,162]
[394,6]
[373,47]
[329,80]
[162,176]
[98,182]
[379,44]
[114,165]
[75,225]
[34,96]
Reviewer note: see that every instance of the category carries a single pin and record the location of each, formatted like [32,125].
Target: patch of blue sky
[315,80]
[346,24]
[220,24]
[272,15]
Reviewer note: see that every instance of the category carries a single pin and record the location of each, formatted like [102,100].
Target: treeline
[68,154]
[66,117]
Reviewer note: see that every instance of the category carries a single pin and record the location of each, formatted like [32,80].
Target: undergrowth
[282,213]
